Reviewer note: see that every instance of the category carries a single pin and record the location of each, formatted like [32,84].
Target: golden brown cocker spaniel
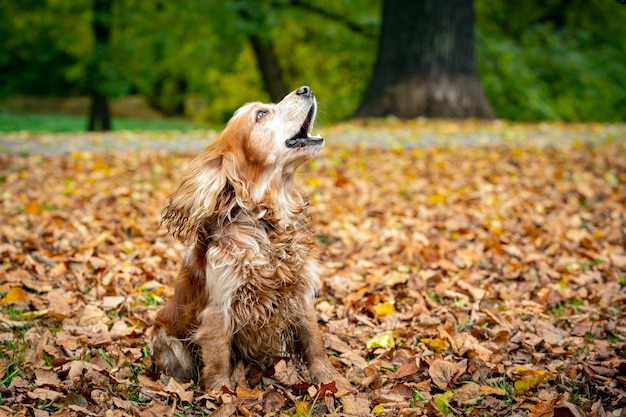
[247,284]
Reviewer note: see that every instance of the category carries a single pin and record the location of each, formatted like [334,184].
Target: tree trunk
[426,64]
[99,113]
[265,54]
[270,68]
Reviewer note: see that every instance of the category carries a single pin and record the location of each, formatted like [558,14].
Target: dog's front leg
[320,368]
[214,339]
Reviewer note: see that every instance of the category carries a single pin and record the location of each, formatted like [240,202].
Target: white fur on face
[269,126]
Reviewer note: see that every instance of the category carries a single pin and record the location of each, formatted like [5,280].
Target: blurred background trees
[536,60]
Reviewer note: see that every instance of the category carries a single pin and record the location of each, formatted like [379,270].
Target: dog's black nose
[304,91]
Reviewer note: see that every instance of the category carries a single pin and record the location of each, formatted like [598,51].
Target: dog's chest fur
[262,269]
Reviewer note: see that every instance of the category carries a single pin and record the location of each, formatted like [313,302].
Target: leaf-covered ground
[460,279]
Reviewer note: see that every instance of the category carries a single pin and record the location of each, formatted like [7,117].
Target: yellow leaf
[313,181]
[523,370]
[437,198]
[378,409]
[441,401]
[531,381]
[609,176]
[15,294]
[100,165]
[438,345]
[302,408]
[384,309]
[32,315]
[495,227]
[385,340]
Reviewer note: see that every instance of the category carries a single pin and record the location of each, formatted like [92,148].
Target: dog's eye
[260,114]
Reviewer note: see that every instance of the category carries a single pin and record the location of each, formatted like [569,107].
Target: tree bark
[99,113]
[269,66]
[426,64]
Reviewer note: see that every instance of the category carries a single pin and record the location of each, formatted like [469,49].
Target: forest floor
[470,269]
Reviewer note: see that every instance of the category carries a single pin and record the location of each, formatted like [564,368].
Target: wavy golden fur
[246,287]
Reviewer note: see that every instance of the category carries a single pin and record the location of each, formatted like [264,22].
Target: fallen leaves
[459,280]
[444,372]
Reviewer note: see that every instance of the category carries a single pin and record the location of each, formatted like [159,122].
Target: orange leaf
[31,208]
[15,294]
[243,392]
[487,390]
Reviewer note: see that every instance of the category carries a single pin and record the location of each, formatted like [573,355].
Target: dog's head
[252,160]
[277,135]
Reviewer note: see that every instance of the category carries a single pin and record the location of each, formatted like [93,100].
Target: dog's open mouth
[303,137]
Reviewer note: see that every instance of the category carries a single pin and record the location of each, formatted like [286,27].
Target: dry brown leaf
[567,409]
[444,372]
[409,367]
[92,315]
[468,394]
[58,307]
[355,405]
[180,390]
[286,373]
[46,377]
[225,410]
[120,329]
[273,401]
[44,394]
[157,410]
[549,333]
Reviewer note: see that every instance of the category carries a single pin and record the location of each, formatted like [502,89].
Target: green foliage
[549,62]
[418,400]
[553,62]
[43,43]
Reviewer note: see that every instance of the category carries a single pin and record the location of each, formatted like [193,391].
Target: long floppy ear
[209,190]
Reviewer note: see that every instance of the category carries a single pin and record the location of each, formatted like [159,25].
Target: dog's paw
[216,383]
[325,373]
[219,386]
[174,357]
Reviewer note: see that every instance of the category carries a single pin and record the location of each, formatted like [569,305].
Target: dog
[247,284]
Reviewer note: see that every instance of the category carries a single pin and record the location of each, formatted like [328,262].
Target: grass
[12,352]
[53,123]
[418,399]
